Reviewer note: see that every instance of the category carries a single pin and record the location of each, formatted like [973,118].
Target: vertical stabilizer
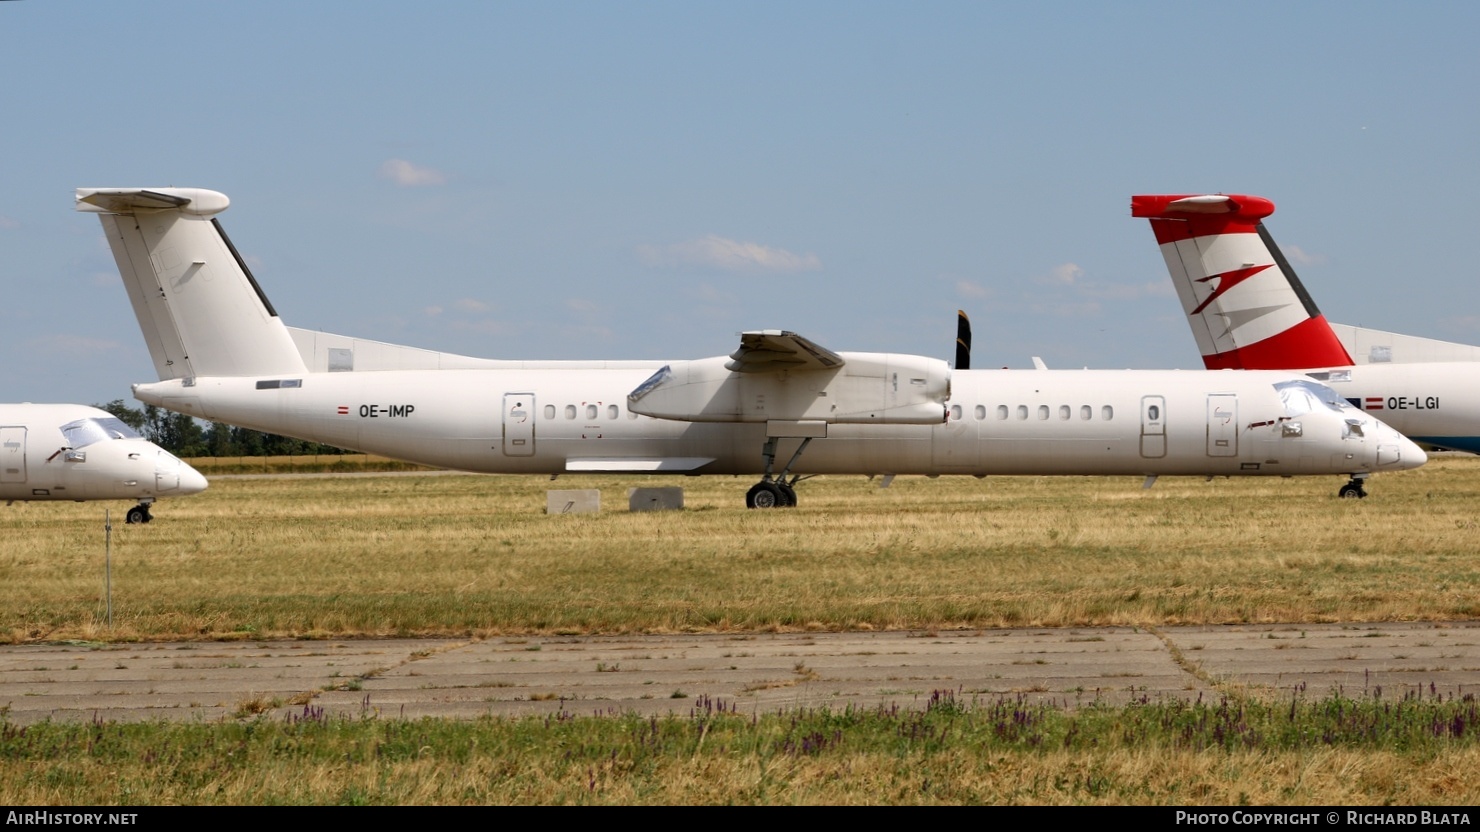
[201,311]
[1246,307]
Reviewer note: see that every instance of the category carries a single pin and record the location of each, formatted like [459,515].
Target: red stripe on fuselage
[1310,343]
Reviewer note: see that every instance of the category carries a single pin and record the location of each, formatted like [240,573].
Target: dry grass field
[435,554]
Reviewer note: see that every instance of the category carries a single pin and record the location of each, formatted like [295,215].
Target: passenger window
[1107,413]
[570,411]
[1086,412]
[981,412]
[611,411]
[1063,411]
[1022,411]
[1001,411]
[590,411]
[1153,413]
[1043,411]
[955,413]
[549,411]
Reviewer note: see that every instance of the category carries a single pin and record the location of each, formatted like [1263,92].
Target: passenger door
[1153,427]
[518,424]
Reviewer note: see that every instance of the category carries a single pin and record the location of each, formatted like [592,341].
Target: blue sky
[646,180]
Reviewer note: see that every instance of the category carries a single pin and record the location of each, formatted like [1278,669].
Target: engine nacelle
[870,388]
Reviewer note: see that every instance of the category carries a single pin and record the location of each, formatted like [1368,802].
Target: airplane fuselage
[66,452]
[560,417]
[1432,404]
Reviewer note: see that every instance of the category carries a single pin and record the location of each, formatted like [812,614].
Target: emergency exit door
[13,454]
[1222,424]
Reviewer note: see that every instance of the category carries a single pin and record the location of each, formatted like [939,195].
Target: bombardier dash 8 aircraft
[78,453]
[222,353]
[1248,310]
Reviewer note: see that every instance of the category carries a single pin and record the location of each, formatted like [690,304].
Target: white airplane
[1248,310]
[79,453]
[222,353]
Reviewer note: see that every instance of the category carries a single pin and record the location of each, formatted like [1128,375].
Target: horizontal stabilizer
[197,201]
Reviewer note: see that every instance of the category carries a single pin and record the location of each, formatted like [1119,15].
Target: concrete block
[573,501]
[654,499]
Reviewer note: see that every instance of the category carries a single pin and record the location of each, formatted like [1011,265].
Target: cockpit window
[1301,397]
[653,381]
[84,432]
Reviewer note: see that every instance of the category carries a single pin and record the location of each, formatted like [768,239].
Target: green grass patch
[1345,752]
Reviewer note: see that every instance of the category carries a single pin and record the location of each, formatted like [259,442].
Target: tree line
[186,436]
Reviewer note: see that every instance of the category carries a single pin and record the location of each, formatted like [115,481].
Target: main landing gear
[138,514]
[1353,490]
[775,491]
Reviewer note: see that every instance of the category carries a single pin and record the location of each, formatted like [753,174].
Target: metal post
[108,562]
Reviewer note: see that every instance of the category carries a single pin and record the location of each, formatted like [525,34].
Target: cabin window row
[1042,412]
[590,411]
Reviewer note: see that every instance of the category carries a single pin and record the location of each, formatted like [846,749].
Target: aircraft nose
[194,482]
[173,476]
[1396,452]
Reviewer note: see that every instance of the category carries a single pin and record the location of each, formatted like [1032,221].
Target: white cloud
[1298,255]
[1068,309]
[407,175]
[9,222]
[1462,323]
[74,345]
[967,289]
[582,306]
[718,252]
[1063,275]
[431,311]
[1128,291]
[487,326]
[470,305]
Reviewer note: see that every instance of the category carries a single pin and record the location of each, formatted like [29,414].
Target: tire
[137,514]
[1351,492]
[763,495]
[788,495]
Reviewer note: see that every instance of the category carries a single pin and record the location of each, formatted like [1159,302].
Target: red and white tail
[1246,307]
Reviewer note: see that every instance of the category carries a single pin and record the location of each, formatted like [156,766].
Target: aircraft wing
[770,350]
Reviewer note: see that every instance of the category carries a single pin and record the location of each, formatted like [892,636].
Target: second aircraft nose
[175,477]
[1396,452]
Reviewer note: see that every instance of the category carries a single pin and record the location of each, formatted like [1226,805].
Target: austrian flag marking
[344,410]
[1373,403]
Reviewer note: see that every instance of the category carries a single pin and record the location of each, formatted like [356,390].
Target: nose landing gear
[139,513]
[1353,490]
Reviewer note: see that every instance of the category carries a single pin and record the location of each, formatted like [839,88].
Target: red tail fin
[1247,309]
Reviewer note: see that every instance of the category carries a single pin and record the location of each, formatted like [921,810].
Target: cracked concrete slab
[748,673]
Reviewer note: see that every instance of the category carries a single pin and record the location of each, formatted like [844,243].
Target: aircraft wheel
[1351,491]
[788,494]
[137,514]
[763,495]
